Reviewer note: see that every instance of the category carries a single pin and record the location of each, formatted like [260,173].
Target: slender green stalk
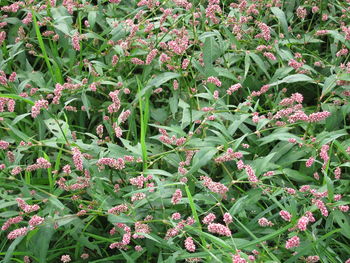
[42,46]
[144,115]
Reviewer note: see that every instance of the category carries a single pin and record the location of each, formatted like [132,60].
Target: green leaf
[19,118]
[297,176]
[86,103]
[330,186]
[42,47]
[260,63]
[173,103]
[211,52]
[92,18]
[18,133]
[17,97]
[246,65]
[344,76]
[343,222]
[195,214]
[292,79]
[329,84]
[162,78]
[202,158]
[57,203]
[41,242]
[281,18]
[277,136]
[59,128]
[326,137]
[11,249]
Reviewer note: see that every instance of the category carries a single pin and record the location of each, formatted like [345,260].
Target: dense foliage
[174,130]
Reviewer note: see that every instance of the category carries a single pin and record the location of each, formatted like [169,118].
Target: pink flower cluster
[124,116]
[138,196]
[17,233]
[265,31]
[309,162]
[324,155]
[140,180]
[301,12]
[233,88]
[262,90]
[251,174]
[118,209]
[214,186]
[227,218]
[209,218]
[137,61]
[40,163]
[269,55]
[337,173]
[293,242]
[179,45]
[76,41]
[11,221]
[318,116]
[118,164]
[228,156]
[99,130]
[220,229]
[236,258]
[295,97]
[189,245]
[212,9]
[320,205]
[176,216]
[214,81]
[285,215]
[65,258]
[9,103]
[117,130]
[16,170]
[2,37]
[177,196]
[40,104]
[151,55]
[303,222]
[115,106]
[264,222]
[4,145]
[141,228]
[25,207]
[312,259]
[171,140]
[35,220]
[77,158]
[126,237]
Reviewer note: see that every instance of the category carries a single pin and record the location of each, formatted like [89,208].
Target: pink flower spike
[285,215]
[189,244]
[17,233]
[176,197]
[292,242]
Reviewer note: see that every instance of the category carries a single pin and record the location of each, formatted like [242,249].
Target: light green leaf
[260,63]
[11,249]
[281,18]
[329,84]
[211,52]
[202,158]
[292,79]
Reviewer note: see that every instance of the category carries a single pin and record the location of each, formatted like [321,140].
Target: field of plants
[175,131]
